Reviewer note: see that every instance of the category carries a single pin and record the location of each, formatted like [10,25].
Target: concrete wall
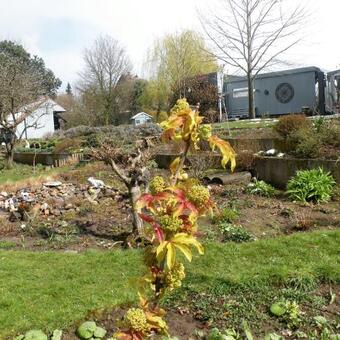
[278,171]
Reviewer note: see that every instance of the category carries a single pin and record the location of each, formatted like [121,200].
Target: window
[137,121]
[240,93]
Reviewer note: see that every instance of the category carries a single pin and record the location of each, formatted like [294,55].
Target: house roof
[43,103]
[141,114]
[232,79]
[333,73]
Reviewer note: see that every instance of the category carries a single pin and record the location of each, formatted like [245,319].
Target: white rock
[271,152]
[44,206]
[25,196]
[280,155]
[96,183]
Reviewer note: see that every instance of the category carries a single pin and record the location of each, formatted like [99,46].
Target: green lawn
[21,172]
[53,290]
[246,124]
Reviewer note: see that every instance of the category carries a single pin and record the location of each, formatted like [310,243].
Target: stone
[96,183]
[14,216]
[271,152]
[69,206]
[44,207]
[56,212]
[108,192]
[52,184]
[57,202]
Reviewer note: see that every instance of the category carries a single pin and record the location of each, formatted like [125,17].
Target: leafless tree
[19,86]
[105,63]
[252,35]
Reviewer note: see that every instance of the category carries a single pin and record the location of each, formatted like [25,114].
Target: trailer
[277,93]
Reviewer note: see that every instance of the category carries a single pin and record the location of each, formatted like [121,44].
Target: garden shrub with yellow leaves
[170,212]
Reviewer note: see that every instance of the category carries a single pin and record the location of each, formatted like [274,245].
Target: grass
[50,290]
[306,255]
[232,282]
[246,124]
[23,172]
[7,244]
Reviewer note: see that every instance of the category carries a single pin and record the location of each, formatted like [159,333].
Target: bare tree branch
[252,34]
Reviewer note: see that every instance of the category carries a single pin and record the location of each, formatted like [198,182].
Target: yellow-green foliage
[198,195]
[171,223]
[135,319]
[157,185]
[174,277]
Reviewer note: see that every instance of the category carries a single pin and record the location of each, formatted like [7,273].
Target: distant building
[45,119]
[141,118]
[333,92]
[278,93]
[306,89]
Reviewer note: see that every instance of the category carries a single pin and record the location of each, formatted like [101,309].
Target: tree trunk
[251,106]
[9,156]
[137,224]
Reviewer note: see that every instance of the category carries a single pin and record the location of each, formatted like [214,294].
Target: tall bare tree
[252,35]
[24,85]
[105,63]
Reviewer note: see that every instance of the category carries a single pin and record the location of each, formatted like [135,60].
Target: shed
[141,118]
[45,119]
[278,93]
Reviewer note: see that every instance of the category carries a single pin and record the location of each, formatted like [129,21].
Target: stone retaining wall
[278,171]
[50,159]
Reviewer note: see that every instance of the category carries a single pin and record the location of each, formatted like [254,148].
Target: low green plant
[288,312]
[305,142]
[314,185]
[318,123]
[321,140]
[232,233]
[260,188]
[225,215]
[89,330]
[228,334]
[7,244]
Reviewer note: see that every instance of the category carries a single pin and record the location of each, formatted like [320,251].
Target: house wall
[304,94]
[45,123]
[141,119]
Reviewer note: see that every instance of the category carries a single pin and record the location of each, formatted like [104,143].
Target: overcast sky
[59,30]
